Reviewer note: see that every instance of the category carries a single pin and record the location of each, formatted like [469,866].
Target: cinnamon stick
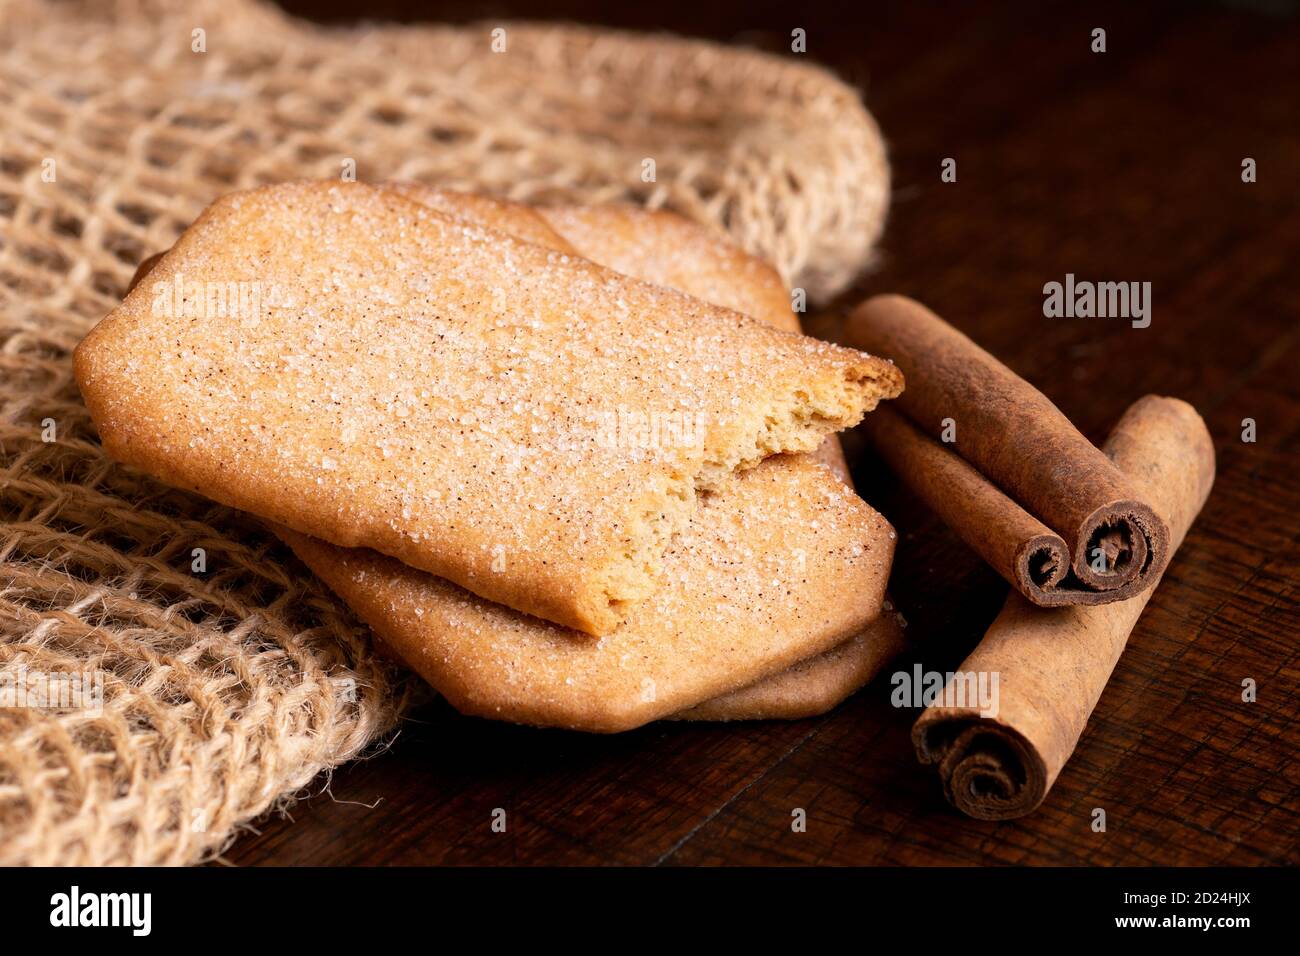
[1015,543]
[1052,665]
[1018,482]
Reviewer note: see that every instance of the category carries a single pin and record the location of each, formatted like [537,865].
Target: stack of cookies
[574,466]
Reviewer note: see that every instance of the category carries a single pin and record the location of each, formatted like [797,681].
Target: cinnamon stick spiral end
[988,771]
[1123,546]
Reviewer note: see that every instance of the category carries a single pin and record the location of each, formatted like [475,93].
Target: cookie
[785,564]
[813,686]
[671,250]
[523,423]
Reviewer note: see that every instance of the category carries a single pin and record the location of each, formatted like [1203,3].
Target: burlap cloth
[227,691]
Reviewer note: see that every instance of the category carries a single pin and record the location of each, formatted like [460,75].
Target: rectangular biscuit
[785,564]
[448,395]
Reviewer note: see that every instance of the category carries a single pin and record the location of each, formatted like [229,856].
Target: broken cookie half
[354,365]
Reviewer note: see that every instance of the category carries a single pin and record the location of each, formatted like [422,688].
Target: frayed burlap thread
[230,678]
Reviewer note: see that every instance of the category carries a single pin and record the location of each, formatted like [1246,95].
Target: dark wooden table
[1117,166]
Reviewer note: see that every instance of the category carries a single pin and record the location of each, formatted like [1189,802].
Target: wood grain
[1119,166]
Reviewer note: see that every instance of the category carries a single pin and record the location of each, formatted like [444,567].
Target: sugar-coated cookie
[785,564]
[351,364]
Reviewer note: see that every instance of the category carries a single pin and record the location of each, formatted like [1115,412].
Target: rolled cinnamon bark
[1052,665]
[1015,543]
[1054,516]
